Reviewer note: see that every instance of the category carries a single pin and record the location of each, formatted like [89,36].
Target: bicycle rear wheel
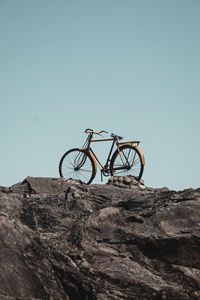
[132,162]
[77,164]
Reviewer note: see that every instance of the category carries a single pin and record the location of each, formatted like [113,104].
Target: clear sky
[131,67]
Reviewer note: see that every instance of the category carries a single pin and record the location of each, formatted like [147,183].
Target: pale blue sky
[125,66]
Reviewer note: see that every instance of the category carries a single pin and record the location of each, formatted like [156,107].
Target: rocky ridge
[61,239]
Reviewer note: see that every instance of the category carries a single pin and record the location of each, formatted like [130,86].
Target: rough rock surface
[65,240]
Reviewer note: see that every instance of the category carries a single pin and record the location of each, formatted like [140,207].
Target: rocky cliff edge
[61,239]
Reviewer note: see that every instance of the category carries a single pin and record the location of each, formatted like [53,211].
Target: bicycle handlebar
[88,131]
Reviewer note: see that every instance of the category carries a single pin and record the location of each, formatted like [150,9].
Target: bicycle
[81,163]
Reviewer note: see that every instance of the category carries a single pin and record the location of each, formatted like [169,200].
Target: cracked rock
[61,239]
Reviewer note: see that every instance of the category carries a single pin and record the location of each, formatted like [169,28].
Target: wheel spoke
[77,159]
[132,163]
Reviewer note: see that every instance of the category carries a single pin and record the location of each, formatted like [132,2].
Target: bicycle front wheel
[127,162]
[77,164]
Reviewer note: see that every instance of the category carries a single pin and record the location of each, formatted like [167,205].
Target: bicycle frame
[105,168]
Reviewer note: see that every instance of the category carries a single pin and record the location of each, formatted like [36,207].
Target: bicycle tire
[136,167]
[68,162]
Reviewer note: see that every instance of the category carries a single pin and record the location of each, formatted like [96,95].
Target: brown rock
[61,239]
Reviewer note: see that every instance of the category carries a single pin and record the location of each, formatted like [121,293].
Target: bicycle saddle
[114,136]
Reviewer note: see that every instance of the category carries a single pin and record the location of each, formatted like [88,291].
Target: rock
[127,180]
[141,181]
[61,239]
[120,179]
[141,186]
[4,189]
